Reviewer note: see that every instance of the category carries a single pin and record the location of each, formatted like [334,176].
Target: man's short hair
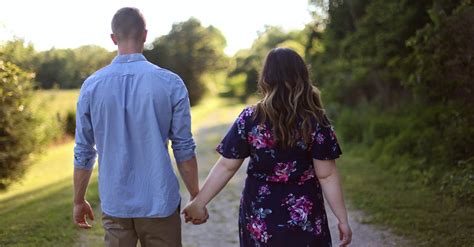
[128,24]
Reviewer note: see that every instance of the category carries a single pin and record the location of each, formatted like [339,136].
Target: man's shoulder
[163,73]
[98,74]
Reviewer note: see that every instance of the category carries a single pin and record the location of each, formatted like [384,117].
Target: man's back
[129,109]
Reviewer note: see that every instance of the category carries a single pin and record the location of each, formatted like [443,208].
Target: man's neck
[129,48]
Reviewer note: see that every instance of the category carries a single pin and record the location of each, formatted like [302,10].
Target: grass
[410,209]
[57,101]
[37,211]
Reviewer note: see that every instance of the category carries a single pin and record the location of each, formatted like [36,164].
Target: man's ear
[114,39]
[145,33]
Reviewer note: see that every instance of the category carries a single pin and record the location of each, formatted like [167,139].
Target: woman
[290,143]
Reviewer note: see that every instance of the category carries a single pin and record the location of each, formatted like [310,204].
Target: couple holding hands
[127,112]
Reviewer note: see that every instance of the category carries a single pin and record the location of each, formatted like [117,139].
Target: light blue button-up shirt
[126,112]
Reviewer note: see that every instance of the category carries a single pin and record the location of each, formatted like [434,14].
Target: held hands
[345,234]
[197,214]
[82,210]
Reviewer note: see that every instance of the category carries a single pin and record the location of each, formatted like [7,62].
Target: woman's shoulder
[246,117]
[248,111]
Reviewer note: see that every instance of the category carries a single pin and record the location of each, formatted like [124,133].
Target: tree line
[56,68]
[399,79]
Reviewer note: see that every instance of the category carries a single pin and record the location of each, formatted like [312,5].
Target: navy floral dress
[282,202]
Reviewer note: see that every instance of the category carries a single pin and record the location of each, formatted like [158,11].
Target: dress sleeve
[235,144]
[325,145]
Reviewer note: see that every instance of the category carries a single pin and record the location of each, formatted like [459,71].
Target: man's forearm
[81,181]
[189,173]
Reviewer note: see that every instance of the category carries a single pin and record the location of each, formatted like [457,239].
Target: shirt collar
[128,58]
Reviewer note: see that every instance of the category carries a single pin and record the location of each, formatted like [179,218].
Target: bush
[70,123]
[19,135]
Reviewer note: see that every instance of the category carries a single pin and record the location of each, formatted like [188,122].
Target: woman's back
[269,161]
[281,193]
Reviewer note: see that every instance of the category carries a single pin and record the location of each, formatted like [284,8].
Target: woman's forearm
[221,173]
[332,190]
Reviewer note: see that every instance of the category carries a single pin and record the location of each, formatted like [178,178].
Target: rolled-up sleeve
[84,151]
[182,141]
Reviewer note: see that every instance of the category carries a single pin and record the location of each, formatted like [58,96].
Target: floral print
[307,175]
[299,209]
[325,145]
[261,137]
[258,230]
[320,138]
[256,225]
[282,172]
[282,202]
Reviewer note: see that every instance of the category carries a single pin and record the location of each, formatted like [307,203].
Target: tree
[87,60]
[56,68]
[68,68]
[190,50]
[400,73]
[19,135]
[19,53]
[248,63]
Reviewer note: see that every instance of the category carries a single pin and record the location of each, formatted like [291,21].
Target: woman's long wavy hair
[290,102]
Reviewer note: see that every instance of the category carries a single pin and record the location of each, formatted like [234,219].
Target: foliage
[57,108]
[19,127]
[443,80]
[61,68]
[70,123]
[68,68]
[248,63]
[400,75]
[19,53]
[191,51]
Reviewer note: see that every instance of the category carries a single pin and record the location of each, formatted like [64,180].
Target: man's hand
[82,210]
[195,213]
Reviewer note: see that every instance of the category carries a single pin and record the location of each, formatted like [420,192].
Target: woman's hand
[220,174]
[345,234]
[195,213]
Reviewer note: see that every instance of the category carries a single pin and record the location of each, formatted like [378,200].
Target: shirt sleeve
[84,151]
[182,141]
[235,144]
[325,145]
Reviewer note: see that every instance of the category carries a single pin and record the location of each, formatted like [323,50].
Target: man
[129,110]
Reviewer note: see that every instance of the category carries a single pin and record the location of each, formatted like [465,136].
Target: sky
[72,23]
